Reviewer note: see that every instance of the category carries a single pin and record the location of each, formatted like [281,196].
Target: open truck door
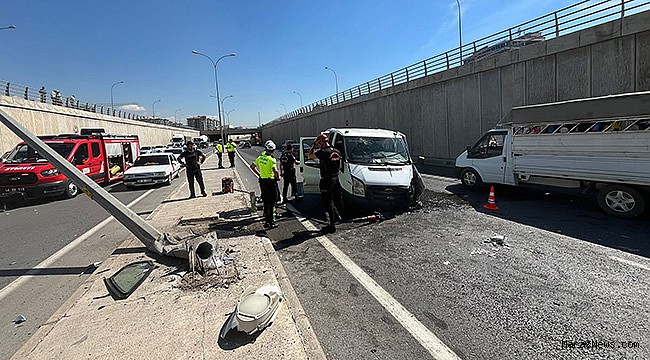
[309,169]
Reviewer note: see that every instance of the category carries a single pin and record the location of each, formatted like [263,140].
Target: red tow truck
[103,157]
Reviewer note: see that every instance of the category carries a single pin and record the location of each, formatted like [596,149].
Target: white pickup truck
[598,143]
[377,170]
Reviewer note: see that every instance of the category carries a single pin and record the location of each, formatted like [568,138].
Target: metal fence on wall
[561,22]
[8,88]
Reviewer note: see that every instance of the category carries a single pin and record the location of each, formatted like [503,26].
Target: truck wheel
[470,178]
[71,190]
[621,201]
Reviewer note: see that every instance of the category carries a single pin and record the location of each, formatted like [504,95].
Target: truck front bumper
[381,198]
[35,191]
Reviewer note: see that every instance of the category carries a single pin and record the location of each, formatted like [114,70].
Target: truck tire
[71,190]
[470,178]
[621,201]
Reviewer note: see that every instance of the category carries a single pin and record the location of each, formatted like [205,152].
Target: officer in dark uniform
[330,190]
[268,177]
[288,172]
[193,160]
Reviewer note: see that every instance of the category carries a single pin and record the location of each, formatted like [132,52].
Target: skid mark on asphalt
[420,332]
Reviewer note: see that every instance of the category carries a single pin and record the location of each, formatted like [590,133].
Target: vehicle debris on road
[256,309]
[20,319]
[497,240]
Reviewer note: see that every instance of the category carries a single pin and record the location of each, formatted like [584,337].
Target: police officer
[193,160]
[268,177]
[230,147]
[219,149]
[330,165]
[288,172]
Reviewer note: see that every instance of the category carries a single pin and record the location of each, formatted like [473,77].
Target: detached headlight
[358,188]
[51,172]
[160,174]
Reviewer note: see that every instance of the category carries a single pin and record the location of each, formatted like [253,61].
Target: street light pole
[175,117]
[119,82]
[153,108]
[295,92]
[228,116]
[285,108]
[259,119]
[224,99]
[336,78]
[460,33]
[216,85]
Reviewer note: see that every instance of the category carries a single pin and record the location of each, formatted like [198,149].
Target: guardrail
[561,22]
[56,98]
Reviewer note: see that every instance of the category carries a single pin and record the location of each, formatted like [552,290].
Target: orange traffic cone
[492,201]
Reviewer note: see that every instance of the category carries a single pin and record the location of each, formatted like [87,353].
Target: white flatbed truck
[600,144]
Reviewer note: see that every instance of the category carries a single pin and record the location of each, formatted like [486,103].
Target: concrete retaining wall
[443,112]
[46,119]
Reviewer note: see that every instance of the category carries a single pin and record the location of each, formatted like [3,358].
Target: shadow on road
[235,339]
[562,211]
[72,270]
[174,200]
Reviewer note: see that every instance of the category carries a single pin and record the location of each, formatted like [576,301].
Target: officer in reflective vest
[230,147]
[219,149]
[268,177]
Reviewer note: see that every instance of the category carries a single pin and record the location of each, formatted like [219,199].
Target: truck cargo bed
[612,157]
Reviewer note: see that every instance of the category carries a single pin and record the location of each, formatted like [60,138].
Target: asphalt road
[32,232]
[566,276]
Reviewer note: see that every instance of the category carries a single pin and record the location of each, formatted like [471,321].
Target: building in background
[203,123]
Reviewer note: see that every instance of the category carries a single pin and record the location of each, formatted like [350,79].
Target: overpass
[215,135]
[448,101]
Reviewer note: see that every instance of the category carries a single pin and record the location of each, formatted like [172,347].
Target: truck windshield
[152,160]
[25,154]
[376,150]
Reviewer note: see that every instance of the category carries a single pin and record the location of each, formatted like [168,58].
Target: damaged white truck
[600,144]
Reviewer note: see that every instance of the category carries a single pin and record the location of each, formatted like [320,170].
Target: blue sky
[82,47]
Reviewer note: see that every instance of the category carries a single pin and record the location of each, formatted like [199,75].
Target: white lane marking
[420,332]
[47,262]
[630,262]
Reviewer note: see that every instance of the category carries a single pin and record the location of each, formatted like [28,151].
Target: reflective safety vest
[266,164]
[219,148]
[230,147]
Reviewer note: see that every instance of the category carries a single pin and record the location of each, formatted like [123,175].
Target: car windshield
[152,160]
[25,154]
[376,150]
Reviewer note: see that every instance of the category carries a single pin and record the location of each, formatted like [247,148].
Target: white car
[146,150]
[175,151]
[150,169]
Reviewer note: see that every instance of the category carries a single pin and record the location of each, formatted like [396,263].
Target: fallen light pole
[153,239]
